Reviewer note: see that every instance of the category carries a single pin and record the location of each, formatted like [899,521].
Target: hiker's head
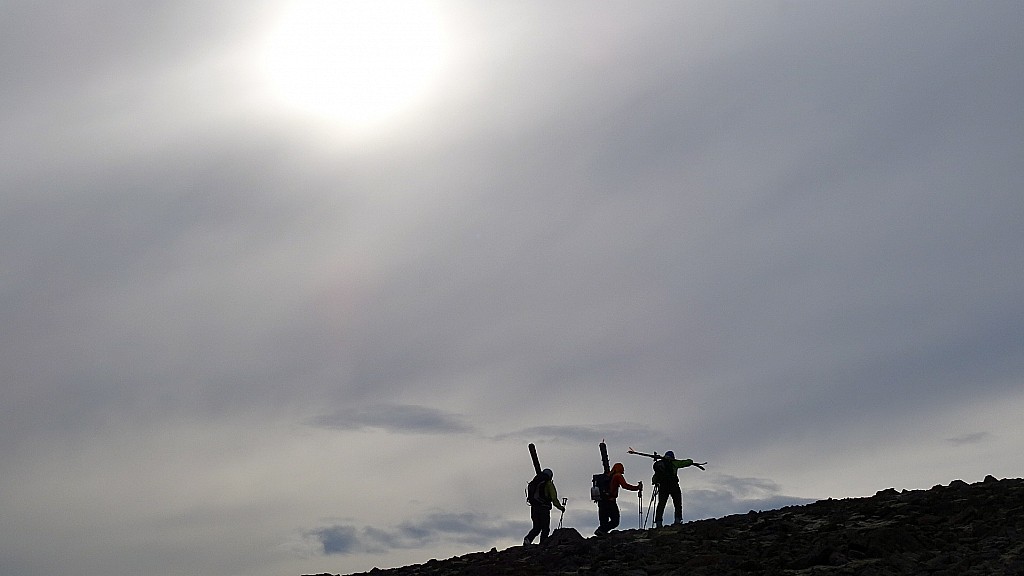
[618,468]
[547,472]
[670,455]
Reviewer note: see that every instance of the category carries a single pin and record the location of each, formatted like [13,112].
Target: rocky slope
[956,530]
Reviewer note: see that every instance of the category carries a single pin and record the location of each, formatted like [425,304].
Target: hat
[670,454]
[547,472]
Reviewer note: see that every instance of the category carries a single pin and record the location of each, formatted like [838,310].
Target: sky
[288,287]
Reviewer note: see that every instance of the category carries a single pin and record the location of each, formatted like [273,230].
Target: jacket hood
[618,468]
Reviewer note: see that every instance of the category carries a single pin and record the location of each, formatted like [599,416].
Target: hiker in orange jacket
[607,507]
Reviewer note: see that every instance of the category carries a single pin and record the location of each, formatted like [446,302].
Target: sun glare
[360,62]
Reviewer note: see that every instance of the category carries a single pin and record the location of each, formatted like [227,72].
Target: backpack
[536,492]
[664,472]
[602,487]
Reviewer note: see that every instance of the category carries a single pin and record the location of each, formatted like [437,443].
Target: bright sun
[360,62]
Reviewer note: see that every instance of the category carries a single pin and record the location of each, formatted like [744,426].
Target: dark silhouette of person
[542,495]
[608,507]
[666,478]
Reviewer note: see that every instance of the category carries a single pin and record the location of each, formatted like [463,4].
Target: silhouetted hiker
[541,495]
[607,507]
[666,482]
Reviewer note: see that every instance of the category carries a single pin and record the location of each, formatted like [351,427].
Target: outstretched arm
[688,462]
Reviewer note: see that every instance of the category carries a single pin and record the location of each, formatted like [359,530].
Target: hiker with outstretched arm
[666,482]
[541,495]
[607,506]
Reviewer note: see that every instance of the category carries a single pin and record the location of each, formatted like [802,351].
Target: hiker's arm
[687,462]
[553,496]
[621,481]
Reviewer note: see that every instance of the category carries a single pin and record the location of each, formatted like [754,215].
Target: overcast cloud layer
[786,238]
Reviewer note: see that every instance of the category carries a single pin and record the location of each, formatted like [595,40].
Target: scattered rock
[563,536]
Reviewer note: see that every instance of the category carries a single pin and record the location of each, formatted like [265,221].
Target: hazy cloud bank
[462,528]
[401,418]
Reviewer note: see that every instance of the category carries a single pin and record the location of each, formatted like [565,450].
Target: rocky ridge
[956,530]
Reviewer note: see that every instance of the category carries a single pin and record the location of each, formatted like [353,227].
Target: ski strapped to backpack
[601,489]
[536,489]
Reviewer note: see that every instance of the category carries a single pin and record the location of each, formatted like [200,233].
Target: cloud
[452,527]
[337,539]
[614,433]
[403,418]
[975,438]
[734,495]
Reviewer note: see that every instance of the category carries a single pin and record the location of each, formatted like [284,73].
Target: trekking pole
[654,494]
[564,500]
[640,506]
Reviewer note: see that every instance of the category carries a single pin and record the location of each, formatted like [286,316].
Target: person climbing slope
[666,483]
[541,494]
[607,506]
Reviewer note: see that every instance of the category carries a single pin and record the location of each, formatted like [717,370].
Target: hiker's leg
[677,502]
[602,517]
[538,524]
[545,526]
[532,534]
[659,512]
[613,515]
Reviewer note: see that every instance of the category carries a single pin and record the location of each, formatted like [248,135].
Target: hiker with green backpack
[541,495]
[666,482]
